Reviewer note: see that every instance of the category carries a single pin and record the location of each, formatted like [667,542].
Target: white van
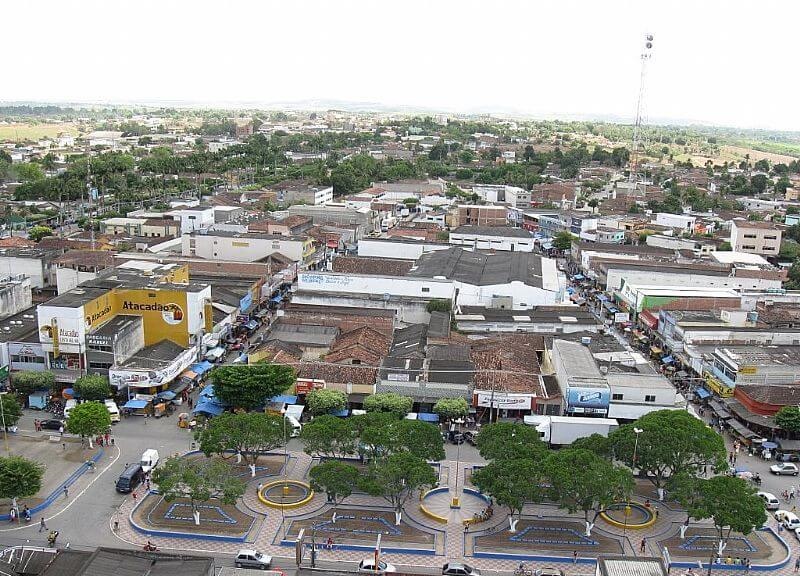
[149,459]
[70,404]
[113,409]
[294,426]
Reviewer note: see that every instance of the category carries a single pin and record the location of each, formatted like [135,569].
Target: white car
[789,520]
[367,566]
[770,501]
[252,559]
[784,469]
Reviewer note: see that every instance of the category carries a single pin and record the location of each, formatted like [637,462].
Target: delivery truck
[564,430]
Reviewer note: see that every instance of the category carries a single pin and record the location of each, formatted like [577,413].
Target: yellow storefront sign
[748,370]
[163,313]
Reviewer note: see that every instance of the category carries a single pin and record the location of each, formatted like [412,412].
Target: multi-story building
[296,192]
[245,246]
[469,214]
[755,237]
[492,238]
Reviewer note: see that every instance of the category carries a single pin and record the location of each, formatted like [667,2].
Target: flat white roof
[739,258]
[685,291]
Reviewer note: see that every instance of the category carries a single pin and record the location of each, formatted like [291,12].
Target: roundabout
[285,494]
[630,515]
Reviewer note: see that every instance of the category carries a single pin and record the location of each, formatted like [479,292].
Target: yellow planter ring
[285,484]
[648,513]
[428,513]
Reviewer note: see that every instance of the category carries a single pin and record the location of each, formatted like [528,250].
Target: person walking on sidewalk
[642,545]
[42,525]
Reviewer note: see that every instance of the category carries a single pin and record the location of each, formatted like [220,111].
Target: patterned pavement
[457,544]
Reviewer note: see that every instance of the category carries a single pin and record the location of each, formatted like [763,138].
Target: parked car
[459,569]
[52,424]
[770,501]
[787,457]
[788,519]
[470,436]
[549,571]
[252,559]
[456,437]
[784,469]
[367,565]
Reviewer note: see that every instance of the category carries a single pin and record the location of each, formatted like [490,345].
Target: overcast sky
[729,63]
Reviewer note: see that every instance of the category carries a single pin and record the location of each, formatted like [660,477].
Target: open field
[23,132]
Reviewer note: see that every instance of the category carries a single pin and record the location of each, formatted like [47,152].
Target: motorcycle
[51,538]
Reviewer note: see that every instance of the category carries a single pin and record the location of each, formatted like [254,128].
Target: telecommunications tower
[637,144]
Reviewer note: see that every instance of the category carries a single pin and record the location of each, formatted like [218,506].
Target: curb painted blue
[59,491]
[758,567]
[534,558]
[356,548]
[171,534]
[477,494]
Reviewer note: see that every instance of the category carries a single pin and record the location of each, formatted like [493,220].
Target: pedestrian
[147,484]
[112,441]
[43,526]
[107,438]
[747,565]
[656,512]
[797,564]
[116,524]
[575,557]
[133,494]
[66,492]
[61,431]
[12,515]
[36,424]
[466,527]
[64,445]
[329,543]
[642,545]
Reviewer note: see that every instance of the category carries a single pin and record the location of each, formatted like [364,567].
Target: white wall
[402,250]
[67,278]
[33,269]
[240,249]
[676,220]
[503,243]
[192,219]
[374,285]
[615,278]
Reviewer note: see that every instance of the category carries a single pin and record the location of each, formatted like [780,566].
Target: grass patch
[22,132]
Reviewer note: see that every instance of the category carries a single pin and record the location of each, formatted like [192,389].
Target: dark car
[456,437]
[52,424]
[470,436]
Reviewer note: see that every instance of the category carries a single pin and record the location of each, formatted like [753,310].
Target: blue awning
[207,392]
[602,297]
[428,417]
[285,399]
[702,393]
[70,392]
[668,359]
[135,404]
[167,395]
[276,299]
[209,407]
[578,277]
[201,367]
[570,290]
[341,413]
[252,325]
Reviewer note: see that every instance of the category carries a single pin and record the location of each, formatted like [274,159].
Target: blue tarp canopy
[341,413]
[135,404]
[769,445]
[277,298]
[207,392]
[570,290]
[702,393]
[209,406]
[252,325]
[602,297]
[667,359]
[578,277]
[428,417]
[201,367]
[71,392]
[167,395]
[285,399]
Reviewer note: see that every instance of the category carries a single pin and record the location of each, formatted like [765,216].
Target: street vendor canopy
[135,404]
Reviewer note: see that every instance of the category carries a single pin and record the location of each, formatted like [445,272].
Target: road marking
[97,476]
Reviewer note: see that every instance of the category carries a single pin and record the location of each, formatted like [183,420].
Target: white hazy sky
[722,62]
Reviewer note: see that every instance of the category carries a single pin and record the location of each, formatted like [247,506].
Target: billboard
[163,313]
[503,400]
[588,400]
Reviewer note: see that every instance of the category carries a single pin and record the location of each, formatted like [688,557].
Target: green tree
[725,247]
[562,241]
[197,480]
[731,504]
[512,483]
[29,172]
[36,233]
[251,386]
[337,479]
[582,480]
[451,408]
[12,411]
[92,387]
[325,401]
[248,435]
[88,420]
[439,305]
[388,402]
[670,441]
[19,478]
[386,437]
[30,381]
[329,436]
[788,418]
[508,441]
[397,478]
[596,443]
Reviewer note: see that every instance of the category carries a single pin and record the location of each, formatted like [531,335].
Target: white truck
[564,430]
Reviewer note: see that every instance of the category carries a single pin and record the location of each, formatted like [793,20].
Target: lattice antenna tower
[637,143]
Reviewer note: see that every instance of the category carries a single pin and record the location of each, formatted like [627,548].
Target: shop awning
[578,277]
[742,430]
[202,367]
[655,350]
[135,404]
[252,325]
[285,399]
[189,375]
[215,353]
[720,410]
[207,392]
[668,359]
[649,319]
[428,417]
[276,299]
[702,393]
[602,297]
[209,407]
[167,395]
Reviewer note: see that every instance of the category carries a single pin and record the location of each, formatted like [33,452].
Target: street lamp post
[627,510]
[456,502]
[285,490]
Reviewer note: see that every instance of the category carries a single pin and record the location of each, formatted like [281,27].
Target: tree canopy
[397,478]
[336,478]
[324,401]
[30,381]
[89,419]
[670,441]
[251,386]
[93,387]
[788,418]
[12,411]
[248,434]
[388,402]
[36,233]
[329,436]
[562,241]
[451,408]
[512,483]
[505,441]
[20,477]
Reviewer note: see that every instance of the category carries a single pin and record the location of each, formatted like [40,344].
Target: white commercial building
[492,238]
[244,247]
[681,221]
